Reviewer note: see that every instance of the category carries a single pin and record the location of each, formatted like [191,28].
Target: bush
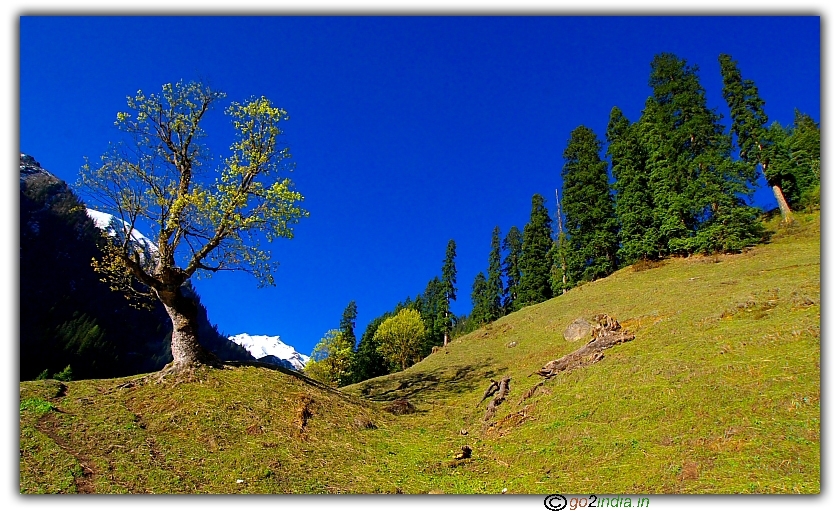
[66,374]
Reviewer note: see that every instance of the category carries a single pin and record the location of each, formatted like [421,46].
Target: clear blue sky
[407,132]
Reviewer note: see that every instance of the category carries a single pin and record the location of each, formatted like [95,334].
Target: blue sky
[406,132]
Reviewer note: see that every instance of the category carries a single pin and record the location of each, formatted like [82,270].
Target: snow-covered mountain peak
[117,228]
[262,346]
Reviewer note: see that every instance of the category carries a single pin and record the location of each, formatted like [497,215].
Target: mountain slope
[719,392]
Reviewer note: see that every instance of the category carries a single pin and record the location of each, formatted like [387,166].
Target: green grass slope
[719,392]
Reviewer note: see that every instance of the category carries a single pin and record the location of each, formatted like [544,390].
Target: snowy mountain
[271,349]
[117,228]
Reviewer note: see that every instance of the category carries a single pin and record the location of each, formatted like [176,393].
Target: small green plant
[45,374]
[37,405]
[66,374]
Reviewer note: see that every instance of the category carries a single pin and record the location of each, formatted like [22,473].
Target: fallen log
[606,334]
[586,355]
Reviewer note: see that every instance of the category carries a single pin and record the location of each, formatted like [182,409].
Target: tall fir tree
[512,244]
[590,213]
[428,304]
[447,295]
[698,190]
[748,124]
[633,200]
[494,289]
[481,307]
[348,323]
[805,158]
[368,362]
[535,266]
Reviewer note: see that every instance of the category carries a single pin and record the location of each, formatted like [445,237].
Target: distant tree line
[394,340]
[673,183]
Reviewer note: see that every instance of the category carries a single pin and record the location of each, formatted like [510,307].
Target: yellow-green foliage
[204,222]
[399,337]
[331,359]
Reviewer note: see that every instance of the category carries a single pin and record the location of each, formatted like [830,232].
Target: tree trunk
[784,209]
[446,330]
[186,350]
[787,216]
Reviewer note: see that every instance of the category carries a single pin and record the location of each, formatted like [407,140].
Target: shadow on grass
[428,384]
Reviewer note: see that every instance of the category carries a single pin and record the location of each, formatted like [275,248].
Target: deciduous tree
[332,360]
[400,338]
[203,221]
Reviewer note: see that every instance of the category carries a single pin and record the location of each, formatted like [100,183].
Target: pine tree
[675,118]
[804,147]
[481,308]
[697,188]
[633,201]
[368,362]
[494,289]
[590,213]
[748,124]
[535,266]
[448,291]
[428,304]
[513,245]
[348,323]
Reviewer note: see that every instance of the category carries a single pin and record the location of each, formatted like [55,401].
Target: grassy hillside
[718,393]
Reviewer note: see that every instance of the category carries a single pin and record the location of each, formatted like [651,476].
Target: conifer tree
[697,189]
[633,201]
[481,308]
[368,362]
[447,294]
[677,122]
[429,303]
[590,214]
[804,147]
[348,323]
[513,245]
[535,266]
[748,124]
[494,289]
